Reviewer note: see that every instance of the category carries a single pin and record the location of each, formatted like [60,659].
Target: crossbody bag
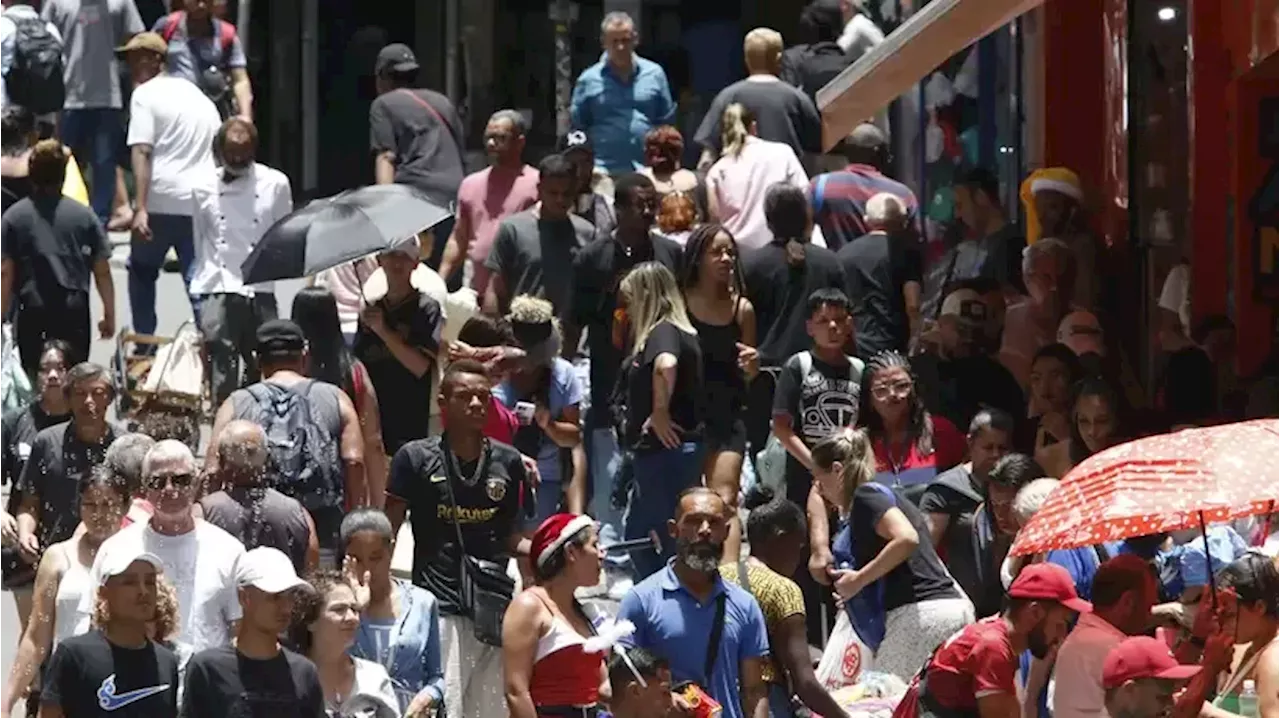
[484,588]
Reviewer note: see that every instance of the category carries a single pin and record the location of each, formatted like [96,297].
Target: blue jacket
[617,114]
[415,645]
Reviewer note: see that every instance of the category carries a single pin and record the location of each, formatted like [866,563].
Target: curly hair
[162,626]
[311,604]
[676,212]
[919,421]
[663,146]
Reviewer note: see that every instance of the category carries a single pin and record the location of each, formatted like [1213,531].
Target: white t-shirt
[179,122]
[201,566]
[1175,295]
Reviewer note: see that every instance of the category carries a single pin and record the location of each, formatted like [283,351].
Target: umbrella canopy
[328,232]
[1161,483]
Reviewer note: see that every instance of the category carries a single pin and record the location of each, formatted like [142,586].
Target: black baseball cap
[280,336]
[575,140]
[396,57]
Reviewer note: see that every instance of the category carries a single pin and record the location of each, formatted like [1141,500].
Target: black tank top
[726,388]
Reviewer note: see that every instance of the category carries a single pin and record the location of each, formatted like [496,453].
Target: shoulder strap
[713,645]
[451,470]
[226,36]
[171,25]
[819,192]
[806,363]
[439,118]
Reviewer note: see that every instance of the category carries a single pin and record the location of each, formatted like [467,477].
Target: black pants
[70,323]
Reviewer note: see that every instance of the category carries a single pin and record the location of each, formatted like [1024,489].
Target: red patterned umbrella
[1161,483]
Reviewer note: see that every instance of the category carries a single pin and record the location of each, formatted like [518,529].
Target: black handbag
[485,590]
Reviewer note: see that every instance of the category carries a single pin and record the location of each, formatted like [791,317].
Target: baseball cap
[146,41]
[1142,657]
[1048,582]
[280,336]
[396,57]
[115,563]
[575,140]
[965,304]
[267,569]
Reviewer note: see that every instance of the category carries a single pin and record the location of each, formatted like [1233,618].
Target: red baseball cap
[1142,657]
[1048,582]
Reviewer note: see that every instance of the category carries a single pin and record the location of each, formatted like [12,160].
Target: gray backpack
[305,456]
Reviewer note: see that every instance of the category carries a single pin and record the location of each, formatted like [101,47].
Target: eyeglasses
[900,389]
[179,481]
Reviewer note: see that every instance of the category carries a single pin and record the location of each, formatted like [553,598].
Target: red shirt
[915,468]
[976,662]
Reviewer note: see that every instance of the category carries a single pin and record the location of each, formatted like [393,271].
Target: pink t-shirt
[741,183]
[485,199]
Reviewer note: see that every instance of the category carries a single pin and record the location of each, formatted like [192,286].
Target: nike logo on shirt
[109,700]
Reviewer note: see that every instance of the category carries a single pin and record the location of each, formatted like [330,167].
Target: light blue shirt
[671,623]
[565,391]
[413,659]
[616,113]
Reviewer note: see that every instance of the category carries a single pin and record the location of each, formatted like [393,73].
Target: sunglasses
[179,481]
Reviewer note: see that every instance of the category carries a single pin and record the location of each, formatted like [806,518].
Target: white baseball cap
[267,569]
[115,563]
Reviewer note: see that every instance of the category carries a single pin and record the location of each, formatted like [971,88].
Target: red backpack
[225,31]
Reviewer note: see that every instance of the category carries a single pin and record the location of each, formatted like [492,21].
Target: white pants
[473,681]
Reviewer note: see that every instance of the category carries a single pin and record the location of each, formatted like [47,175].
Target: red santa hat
[554,532]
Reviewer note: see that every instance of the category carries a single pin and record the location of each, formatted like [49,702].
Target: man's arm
[140,158]
[417,359]
[382,141]
[384,168]
[225,414]
[793,653]
[999,705]
[375,451]
[666,107]
[107,293]
[312,560]
[243,91]
[755,692]
[793,444]
[352,448]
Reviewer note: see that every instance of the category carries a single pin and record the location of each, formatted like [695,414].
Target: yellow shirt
[779,598]
[73,184]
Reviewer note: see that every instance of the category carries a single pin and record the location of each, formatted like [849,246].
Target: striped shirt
[840,201]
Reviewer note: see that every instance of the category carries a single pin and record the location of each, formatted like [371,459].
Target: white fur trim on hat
[1041,184]
[577,524]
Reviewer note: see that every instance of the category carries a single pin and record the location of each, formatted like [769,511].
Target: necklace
[454,465]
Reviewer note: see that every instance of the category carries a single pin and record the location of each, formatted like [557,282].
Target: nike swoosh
[108,700]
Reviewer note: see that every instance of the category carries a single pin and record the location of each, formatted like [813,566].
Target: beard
[701,556]
[1038,643]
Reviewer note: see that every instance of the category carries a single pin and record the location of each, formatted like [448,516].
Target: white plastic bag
[15,386]
[178,369]
[846,658]
[771,466]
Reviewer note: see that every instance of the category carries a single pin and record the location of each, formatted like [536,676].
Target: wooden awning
[922,43]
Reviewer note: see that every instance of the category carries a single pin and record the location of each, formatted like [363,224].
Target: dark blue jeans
[660,476]
[146,259]
[96,136]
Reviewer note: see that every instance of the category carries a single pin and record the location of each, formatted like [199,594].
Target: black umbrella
[328,232]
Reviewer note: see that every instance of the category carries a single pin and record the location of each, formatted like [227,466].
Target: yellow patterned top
[779,598]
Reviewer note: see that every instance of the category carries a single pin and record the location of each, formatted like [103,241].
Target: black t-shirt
[421,127]
[819,401]
[54,243]
[780,295]
[90,676]
[922,576]
[685,404]
[59,461]
[876,266]
[535,256]
[959,388]
[487,510]
[405,409]
[20,431]
[954,495]
[599,268]
[783,113]
[224,683]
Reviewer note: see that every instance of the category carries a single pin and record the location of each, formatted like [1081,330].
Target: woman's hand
[748,359]
[359,581]
[819,564]
[847,582]
[660,423]
[421,705]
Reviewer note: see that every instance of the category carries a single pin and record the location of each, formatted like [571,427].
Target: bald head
[242,453]
[762,50]
[867,145]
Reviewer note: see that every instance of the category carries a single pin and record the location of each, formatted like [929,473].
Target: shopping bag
[15,386]
[771,466]
[846,658]
[177,374]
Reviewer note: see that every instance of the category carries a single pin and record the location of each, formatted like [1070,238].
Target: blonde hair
[735,128]
[652,297]
[852,448]
[165,622]
[531,310]
[762,48]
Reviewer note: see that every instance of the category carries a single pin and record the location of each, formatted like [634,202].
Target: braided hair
[919,421]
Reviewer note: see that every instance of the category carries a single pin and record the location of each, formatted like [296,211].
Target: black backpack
[305,457]
[820,65]
[35,78]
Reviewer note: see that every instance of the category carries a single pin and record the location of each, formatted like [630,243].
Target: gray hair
[365,519]
[125,458]
[88,371]
[1031,497]
[617,17]
[885,210]
[514,117]
[164,451]
[1048,247]
[243,445]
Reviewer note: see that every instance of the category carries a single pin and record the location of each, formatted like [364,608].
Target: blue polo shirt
[617,112]
[671,623]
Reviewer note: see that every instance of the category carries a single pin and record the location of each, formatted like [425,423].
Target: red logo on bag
[851,664]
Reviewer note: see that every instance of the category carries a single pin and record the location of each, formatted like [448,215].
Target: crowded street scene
[639,359]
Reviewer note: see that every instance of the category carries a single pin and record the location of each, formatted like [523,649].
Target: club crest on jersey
[495,488]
